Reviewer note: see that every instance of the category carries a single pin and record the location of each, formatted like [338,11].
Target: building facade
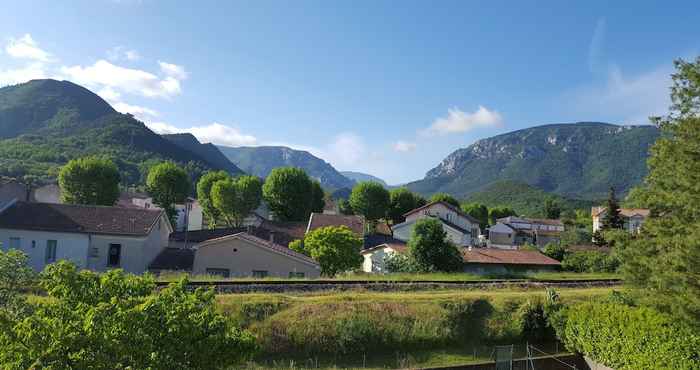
[462,229]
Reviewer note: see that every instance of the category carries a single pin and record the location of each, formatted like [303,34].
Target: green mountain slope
[580,160]
[261,160]
[45,123]
[208,151]
[359,176]
[526,200]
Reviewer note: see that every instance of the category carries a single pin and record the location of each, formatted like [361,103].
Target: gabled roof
[262,243]
[373,240]
[627,212]
[284,232]
[507,257]
[448,223]
[79,219]
[318,220]
[399,247]
[173,259]
[448,205]
[539,221]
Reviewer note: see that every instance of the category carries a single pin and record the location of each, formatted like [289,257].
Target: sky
[388,88]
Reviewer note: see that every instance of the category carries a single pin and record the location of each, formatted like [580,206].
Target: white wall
[72,247]
[374,260]
[403,232]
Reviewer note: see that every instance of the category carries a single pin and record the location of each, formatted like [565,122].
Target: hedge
[624,337]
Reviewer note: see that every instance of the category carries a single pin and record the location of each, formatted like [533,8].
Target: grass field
[438,277]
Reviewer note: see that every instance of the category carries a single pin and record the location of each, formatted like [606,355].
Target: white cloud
[134,81]
[121,53]
[173,70]
[404,146]
[630,99]
[216,133]
[23,74]
[458,121]
[26,48]
[138,111]
[346,149]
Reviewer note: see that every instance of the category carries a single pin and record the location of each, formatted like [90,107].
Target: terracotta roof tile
[79,218]
[318,220]
[507,257]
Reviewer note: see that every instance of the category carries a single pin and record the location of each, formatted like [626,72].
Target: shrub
[624,337]
[556,251]
[430,248]
[590,261]
[396,262]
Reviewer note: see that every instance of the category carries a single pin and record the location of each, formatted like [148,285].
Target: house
[93,237]
[243,255]
[319,220]
[49,193]
[279,232]
[480,261]
[633,218]
[461,229]
[512,232]
[189,215]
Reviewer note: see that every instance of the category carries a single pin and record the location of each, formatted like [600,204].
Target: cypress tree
[612,218]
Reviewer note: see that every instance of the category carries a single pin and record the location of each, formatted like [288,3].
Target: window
[15,243]
[115,255]
[259,273]
[219,272]
[50,256]
[296,274]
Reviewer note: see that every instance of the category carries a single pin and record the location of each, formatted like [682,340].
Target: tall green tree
[318,197]
[552,208]
[90,180]
[336,248]
[444,197]
[479,212]
[431,250]
[344,207]
[168,184]
[664,260]
[402,200]
[288,193]
[204,195]
[370,199]
[612,218]
[235,199]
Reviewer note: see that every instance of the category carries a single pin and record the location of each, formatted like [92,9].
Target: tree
[344,207]
[612,218]
[235,199]
[118,321]
[90,180]
[336,248]
[318,201]
[444,197]
[370,199]
[664,260]
[430,248]
[204,195]
[287,191]
[168,184]
[552,208]
[556,251]
[479,212]
[15,277]
[402,200]
[500,212]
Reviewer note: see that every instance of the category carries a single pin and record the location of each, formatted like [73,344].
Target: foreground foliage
[625,337]
[118,321]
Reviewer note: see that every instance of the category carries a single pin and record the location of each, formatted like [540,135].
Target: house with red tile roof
[462,229]
[633,218]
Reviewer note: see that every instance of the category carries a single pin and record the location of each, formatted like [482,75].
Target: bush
[625,337]
[119,321]
[336,248]
[430,248]
[396,262]
[556,251]
[590,261]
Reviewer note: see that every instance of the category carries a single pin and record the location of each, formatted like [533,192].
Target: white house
[461,229]
[375,257]
[512,232]
[93,237]
[189,214]
[633,218]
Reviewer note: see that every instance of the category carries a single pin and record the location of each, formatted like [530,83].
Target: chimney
[272,237]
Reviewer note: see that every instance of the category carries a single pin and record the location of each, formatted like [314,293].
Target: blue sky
[389,88]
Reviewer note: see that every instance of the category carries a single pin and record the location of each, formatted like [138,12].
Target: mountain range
[577,160]
[45,123]
[359,176]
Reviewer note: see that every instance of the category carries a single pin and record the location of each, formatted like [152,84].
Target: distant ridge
[359,176]
[577,160]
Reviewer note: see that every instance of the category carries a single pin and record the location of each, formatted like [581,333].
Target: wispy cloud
[118,53]
[26,48]
[215,133]
[595,48]
[404,146]
[173,70]
[23,74]
[458,121]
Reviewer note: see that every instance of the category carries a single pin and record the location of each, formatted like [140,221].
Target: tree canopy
[204,195]
[479,212]
[288,192]
[612,218]
[336,248]
[90,181]
[370,199]
[444,197]
[235,199]
[402,200]
[500,212]
[318,197]
[431,250]
[168,184]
